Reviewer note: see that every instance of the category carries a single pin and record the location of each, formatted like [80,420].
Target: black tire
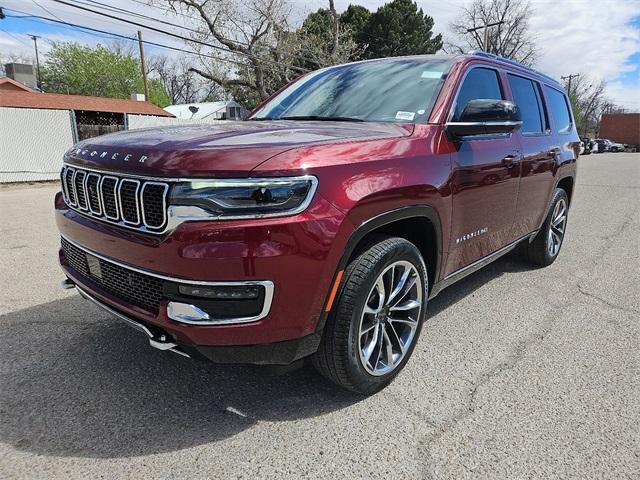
[539,252]
[339,355]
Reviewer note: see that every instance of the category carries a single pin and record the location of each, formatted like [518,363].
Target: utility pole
[486,26]
[569,78]
[35,42]
[144,70]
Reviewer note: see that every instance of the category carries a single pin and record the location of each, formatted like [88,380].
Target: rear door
[539,151]
[484,183]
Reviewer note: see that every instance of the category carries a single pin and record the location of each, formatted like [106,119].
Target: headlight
[253,197]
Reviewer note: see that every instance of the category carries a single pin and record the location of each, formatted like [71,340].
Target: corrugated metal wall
[32,143]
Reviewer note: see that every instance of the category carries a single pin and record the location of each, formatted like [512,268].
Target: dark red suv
[321,225]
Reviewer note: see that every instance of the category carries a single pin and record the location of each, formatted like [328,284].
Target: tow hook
[67,284]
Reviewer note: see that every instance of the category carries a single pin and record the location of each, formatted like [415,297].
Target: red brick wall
[621,127]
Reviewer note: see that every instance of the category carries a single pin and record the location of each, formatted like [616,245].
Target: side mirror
[486,117]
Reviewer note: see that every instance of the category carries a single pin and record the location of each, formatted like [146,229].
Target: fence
[144,121]
[32,143]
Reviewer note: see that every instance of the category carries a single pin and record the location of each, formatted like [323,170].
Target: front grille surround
[134,203]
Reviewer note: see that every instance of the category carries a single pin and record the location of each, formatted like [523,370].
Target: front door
[484,182]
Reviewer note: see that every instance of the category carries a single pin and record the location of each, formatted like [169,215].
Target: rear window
[559,107]
[526,97]
[479,83]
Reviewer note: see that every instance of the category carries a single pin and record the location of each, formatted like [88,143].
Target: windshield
[398,90]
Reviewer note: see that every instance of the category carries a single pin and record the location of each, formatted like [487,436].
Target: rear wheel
[378,317]
[545,247]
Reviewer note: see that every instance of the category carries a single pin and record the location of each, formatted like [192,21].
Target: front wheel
[377,319]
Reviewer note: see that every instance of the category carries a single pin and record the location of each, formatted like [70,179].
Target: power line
[181,37]
[17,39]
[165,22]
[147,42]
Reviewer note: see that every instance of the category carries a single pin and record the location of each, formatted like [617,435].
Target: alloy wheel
[557,227]
[390,318]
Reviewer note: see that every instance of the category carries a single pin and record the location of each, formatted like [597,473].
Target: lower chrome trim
[477,265]
[129,321]
[155,343]
[266,284]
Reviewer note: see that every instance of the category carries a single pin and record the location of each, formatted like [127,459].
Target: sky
[597,38]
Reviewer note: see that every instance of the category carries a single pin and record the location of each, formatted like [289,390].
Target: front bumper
[298,255]
[279,353]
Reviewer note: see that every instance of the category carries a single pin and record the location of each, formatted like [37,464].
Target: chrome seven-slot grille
[137,288]
[129,202]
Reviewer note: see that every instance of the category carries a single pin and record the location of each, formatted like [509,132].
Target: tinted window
[526,98]
[479,83]
[393,90]
[560,115]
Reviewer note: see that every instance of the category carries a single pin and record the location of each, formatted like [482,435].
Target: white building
[227,110]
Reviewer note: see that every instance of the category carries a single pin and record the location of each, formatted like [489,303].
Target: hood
[225,149]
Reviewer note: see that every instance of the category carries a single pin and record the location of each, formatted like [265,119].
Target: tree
[75,69]
[355,19]
[399,28]
[587,102]
[511,39]
[250,42]
[181,84]
[325,40]
[255,49]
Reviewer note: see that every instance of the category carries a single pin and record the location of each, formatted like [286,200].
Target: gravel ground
[519,373]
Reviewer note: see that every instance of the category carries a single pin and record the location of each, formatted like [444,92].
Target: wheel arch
[567,183]
[420,224]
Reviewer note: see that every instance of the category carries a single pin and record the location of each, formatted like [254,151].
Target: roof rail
[480,53]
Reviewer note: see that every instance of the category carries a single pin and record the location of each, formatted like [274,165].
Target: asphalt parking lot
[519,373]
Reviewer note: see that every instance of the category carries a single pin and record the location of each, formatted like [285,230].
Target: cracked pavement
[519,373]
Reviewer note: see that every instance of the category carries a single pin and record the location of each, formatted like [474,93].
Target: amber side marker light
[334,290]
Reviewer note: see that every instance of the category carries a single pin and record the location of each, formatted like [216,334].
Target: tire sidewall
[558,195]
[367,382]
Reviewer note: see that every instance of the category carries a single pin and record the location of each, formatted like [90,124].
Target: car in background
[614,147]
[585,146]
[600,146]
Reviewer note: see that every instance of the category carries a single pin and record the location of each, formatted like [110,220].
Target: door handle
[509,161]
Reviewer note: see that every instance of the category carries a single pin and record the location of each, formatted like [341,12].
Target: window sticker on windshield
[431,74]
[405,115]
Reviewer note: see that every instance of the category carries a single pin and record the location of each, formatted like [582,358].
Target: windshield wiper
[320,117]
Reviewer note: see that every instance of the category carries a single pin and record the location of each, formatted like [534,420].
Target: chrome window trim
[164,204]
[486,66]
[86,189]
[115,197]
[137,200]
[266,284]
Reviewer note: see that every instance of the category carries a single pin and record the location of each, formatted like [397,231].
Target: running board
[477,265]
[159,343]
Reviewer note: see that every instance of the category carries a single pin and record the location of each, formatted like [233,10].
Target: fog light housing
[241,292]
